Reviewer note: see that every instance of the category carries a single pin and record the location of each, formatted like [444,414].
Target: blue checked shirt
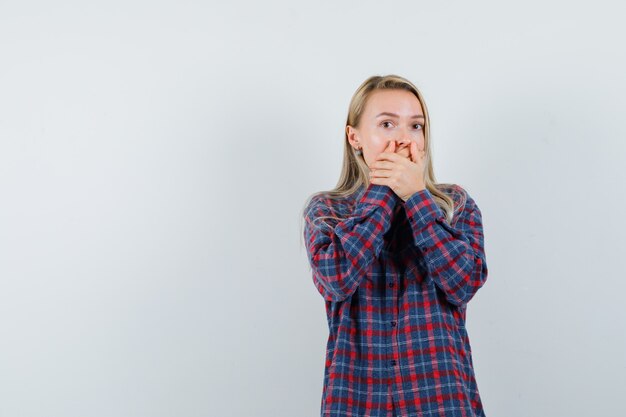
[396,279]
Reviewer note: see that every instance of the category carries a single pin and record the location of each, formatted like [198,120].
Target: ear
[351,133]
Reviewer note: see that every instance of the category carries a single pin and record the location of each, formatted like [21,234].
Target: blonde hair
[354,172]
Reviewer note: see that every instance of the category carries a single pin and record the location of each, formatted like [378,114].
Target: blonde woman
[396,257]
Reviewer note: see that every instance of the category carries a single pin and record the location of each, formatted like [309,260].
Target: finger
[380,181]
[390,156]
[417,153]
[380,173]
[413,152]
[381,165]
[401,148]
[388,148]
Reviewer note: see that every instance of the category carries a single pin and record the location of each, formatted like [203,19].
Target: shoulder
[457,192]
[323,203]
[464,203]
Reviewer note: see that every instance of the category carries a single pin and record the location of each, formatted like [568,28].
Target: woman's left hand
[405,176]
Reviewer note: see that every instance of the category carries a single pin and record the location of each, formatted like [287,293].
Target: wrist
[411,194]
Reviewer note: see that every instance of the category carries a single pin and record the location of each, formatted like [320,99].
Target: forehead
[400,102]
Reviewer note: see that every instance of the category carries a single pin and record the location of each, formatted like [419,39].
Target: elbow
[333,289]
[464,288]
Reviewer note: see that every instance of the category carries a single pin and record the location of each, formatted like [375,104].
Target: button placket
[392,322]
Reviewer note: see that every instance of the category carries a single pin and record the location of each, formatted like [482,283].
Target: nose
[404,141]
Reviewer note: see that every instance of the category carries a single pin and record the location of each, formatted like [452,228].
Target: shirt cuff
[380,195]
[422,209]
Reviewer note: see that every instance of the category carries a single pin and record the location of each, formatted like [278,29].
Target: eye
[419,124]
[383,123]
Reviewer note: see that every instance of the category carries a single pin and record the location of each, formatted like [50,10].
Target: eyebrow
[416,116]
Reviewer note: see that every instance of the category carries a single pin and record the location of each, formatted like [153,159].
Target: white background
[155,157]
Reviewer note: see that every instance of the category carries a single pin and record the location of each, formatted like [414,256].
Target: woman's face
[388,115]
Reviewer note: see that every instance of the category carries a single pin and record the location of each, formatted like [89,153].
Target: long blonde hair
[354,172]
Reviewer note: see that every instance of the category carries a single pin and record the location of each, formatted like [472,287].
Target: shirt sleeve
[455,256]
[342,254]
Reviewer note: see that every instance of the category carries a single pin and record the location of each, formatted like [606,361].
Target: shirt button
[393,362]
[393,324]
[391,285]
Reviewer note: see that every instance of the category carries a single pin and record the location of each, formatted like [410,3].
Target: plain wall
[155,157]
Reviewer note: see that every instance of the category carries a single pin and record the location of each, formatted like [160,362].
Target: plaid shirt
[396,279]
